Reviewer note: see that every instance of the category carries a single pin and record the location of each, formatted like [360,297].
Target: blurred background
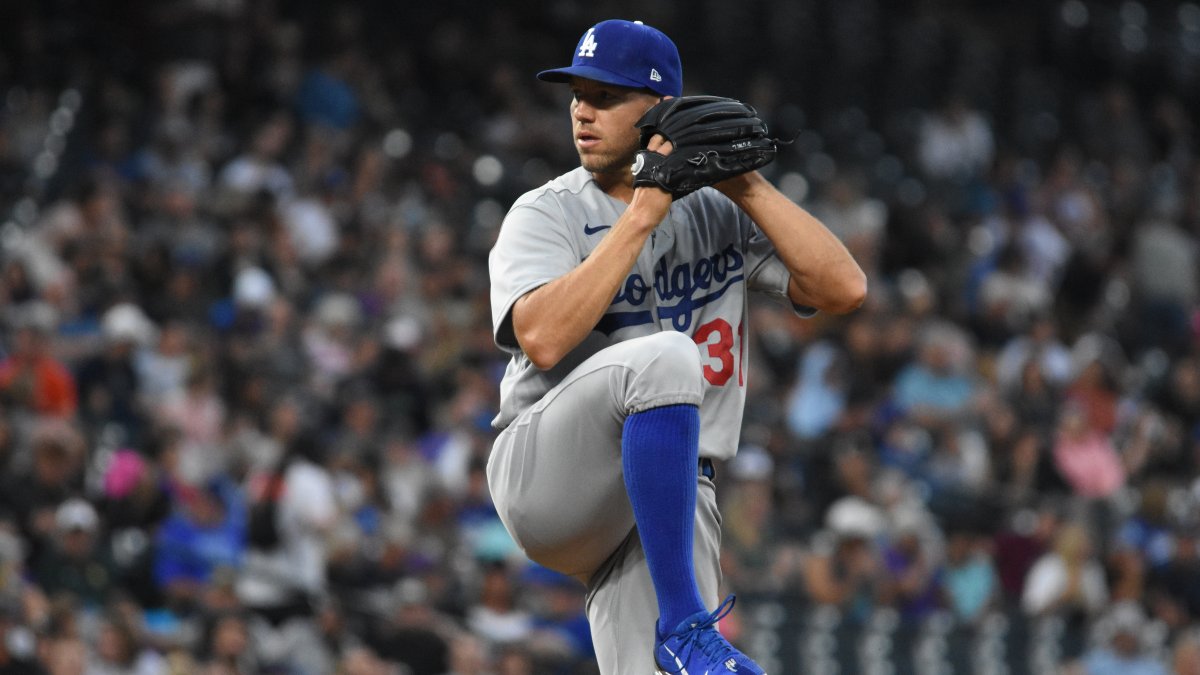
[247,374]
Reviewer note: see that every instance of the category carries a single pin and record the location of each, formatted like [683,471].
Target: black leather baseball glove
[713,138]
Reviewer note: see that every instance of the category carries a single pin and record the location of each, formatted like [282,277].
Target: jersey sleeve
[766,273]
[533,249]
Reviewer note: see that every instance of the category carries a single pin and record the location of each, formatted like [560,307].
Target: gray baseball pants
[556,480]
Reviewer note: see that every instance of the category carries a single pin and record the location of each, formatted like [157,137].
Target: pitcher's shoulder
[573,182]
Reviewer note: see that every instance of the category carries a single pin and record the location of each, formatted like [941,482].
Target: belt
[706,468]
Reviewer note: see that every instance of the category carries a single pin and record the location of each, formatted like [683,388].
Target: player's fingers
[659,144]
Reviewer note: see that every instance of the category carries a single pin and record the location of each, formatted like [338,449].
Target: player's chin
[606,163]
[592,164]
[588,156]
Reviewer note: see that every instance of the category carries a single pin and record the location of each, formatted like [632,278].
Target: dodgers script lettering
[680,291]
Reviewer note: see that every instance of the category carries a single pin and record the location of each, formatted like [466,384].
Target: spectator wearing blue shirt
[970,583]
[936,388]
[206,533]
[1148,531]
[326,97]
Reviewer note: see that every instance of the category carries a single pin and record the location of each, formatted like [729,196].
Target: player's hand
[663,147]
[713,139]
[742,186]
[660,145]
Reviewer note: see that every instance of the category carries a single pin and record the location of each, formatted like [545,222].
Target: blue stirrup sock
[659,453]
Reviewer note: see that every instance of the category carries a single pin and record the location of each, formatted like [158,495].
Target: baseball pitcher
[620,289]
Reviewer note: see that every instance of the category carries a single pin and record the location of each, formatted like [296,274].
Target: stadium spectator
[414,633]
[118,652]
[79,561]
[1085,456]
[31,378]
[956,141]
[1124,653]
[843,568]
[108,382]
[936,388]
[913,577]
[286,564]
[496,617]
[1067,580]
[33,496]
[970,585]
[204,537]
[227,649]
[1173,594]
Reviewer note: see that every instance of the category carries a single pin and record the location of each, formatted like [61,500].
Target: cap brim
[588,72]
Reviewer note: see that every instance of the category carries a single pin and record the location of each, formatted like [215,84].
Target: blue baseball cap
[626,53]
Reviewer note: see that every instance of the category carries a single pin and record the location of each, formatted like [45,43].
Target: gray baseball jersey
[693,276]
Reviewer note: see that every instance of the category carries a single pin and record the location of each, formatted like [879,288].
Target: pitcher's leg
[660,450]
[621,605]
[556,474]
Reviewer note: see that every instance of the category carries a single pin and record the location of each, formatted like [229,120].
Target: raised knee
[676,350]
[672,362]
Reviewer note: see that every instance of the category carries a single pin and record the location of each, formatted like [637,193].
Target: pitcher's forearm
[553,319]
[824,274]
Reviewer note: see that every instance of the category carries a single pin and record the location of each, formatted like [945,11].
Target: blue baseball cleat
[696,648]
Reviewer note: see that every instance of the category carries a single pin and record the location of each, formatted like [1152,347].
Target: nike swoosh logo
[589,230]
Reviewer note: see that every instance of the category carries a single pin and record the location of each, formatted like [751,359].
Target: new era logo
[655,76]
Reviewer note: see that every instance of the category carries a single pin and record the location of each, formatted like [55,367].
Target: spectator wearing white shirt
[956,142]
[1067,579]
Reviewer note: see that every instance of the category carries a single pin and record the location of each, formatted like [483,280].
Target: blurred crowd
[247,374]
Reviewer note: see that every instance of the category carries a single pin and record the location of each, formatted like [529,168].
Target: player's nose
[583,112]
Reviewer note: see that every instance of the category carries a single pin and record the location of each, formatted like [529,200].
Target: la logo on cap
[589,44]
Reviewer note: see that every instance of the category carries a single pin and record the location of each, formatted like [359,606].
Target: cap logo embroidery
[655,76]
[588,47]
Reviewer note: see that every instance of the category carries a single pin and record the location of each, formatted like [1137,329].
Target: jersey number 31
[719,367]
